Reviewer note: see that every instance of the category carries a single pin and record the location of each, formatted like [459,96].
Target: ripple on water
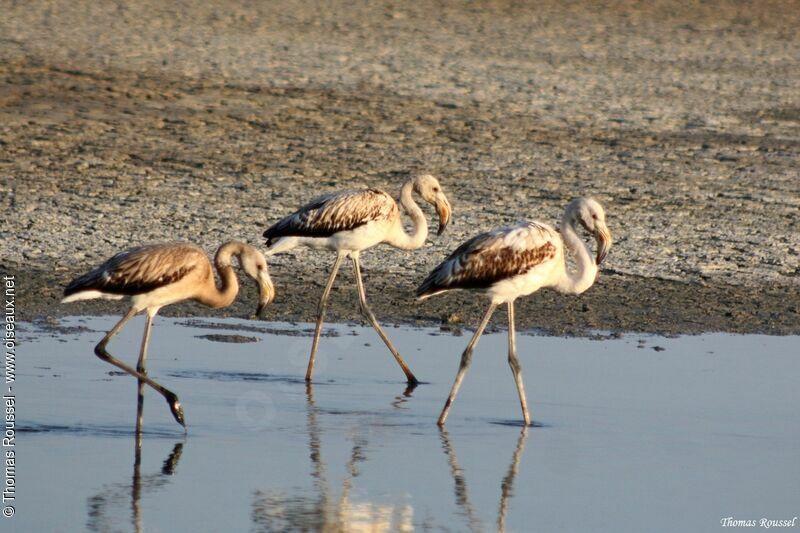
[92,430]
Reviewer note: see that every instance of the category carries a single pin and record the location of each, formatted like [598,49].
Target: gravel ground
[128,123]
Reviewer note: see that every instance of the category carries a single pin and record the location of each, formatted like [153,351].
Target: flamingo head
[431,191]
[590,214]
[255,266]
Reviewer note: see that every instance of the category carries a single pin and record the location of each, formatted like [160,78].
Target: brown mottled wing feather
[140,270]
[333,213]
[491,257]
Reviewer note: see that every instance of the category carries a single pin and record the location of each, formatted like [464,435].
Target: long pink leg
[466,359]
[102,353]
[140,367]
[370,316]
[321,315]
[516,369]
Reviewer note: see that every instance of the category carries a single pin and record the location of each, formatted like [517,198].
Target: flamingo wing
[332,213]
[141,270]
[491,257]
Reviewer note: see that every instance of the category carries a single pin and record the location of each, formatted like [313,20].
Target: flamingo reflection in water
[277,511]
[460,482]
[104,507]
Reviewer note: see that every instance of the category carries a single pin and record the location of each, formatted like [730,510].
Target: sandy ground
[122,124]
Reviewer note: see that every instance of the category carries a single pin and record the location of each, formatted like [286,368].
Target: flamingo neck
[417,237]
[579,280]
[223,295]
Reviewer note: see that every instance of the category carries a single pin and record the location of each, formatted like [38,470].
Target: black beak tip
[177,412]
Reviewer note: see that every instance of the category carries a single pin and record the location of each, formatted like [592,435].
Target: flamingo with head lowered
[162,274]
[510,262]
[348,223]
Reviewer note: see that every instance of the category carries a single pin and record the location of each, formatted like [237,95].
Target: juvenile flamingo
[162,274]
[351,221]
[507,263]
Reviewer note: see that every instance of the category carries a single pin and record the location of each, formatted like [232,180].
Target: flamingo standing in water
[351,221]
[507,263]
[162,274]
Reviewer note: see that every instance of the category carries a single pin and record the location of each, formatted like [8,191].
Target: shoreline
[616,304]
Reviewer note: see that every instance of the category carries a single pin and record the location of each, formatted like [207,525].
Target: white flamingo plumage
[507,263]
[157,275]
[352,221]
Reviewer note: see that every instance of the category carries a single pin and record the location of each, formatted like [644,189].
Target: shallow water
[631,434]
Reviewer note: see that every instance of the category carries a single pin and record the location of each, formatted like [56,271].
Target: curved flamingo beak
[176,408]
[444,210]
[266,292]
[604,241]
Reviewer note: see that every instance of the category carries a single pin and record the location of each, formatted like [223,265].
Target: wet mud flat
[617,303]
[628,432]
[127,124]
